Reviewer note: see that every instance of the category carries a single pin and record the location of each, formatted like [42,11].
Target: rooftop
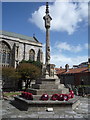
[20,36]
[72,70]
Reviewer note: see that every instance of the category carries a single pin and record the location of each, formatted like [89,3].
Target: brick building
[74,75]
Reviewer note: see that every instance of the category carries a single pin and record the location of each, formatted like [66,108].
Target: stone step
[44,86]
[45,82]
[61,86]
[47,86]
[49,92]
[48,81]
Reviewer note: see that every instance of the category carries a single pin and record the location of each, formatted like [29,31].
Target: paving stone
[9,111]
[78,116]
[56,116]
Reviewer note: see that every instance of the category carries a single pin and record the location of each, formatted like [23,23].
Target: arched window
[32,55]
[5,54]
[39,55]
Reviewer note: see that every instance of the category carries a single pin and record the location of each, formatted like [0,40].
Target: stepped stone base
[43,105]
[49,92]
[49,86]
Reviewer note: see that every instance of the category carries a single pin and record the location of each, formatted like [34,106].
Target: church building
[16,47]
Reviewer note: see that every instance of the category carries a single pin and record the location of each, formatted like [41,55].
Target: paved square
[12,111]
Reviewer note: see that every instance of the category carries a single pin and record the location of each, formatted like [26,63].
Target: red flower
[66,97]
[27,95]
[44,97]
[61,97]
[54,97]
[71,91]
[72,94]
[23,94]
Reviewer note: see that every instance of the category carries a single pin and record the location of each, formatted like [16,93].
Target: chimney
[89,64]
[60,67]
[67,67]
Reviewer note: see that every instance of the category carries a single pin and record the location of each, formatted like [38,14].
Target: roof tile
[72,70]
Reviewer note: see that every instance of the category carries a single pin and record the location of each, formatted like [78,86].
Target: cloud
[67,47]
[65,16]
[60,58]
[37,17]
[86,45]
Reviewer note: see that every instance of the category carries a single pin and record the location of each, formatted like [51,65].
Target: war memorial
[47,92]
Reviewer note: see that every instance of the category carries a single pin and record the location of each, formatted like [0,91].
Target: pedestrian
[83,90]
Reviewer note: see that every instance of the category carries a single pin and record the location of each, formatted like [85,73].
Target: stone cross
[47,18]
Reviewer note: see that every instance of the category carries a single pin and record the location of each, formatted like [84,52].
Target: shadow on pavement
[18,105]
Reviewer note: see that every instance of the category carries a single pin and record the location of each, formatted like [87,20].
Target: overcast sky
[68,32]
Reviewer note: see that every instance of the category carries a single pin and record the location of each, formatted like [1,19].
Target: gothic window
[8,58]
[5,53]
[32,55]
[38,56]
[3,57]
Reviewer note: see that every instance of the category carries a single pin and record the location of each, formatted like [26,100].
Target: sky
[68,32]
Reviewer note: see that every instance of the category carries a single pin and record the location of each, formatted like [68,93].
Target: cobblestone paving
[82,111]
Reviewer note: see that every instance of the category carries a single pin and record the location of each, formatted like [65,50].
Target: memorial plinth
[49,83]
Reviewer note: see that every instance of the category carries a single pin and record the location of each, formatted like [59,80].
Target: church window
[5,53]
[32,55]
[38,56]
[8,58]
[3,57]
